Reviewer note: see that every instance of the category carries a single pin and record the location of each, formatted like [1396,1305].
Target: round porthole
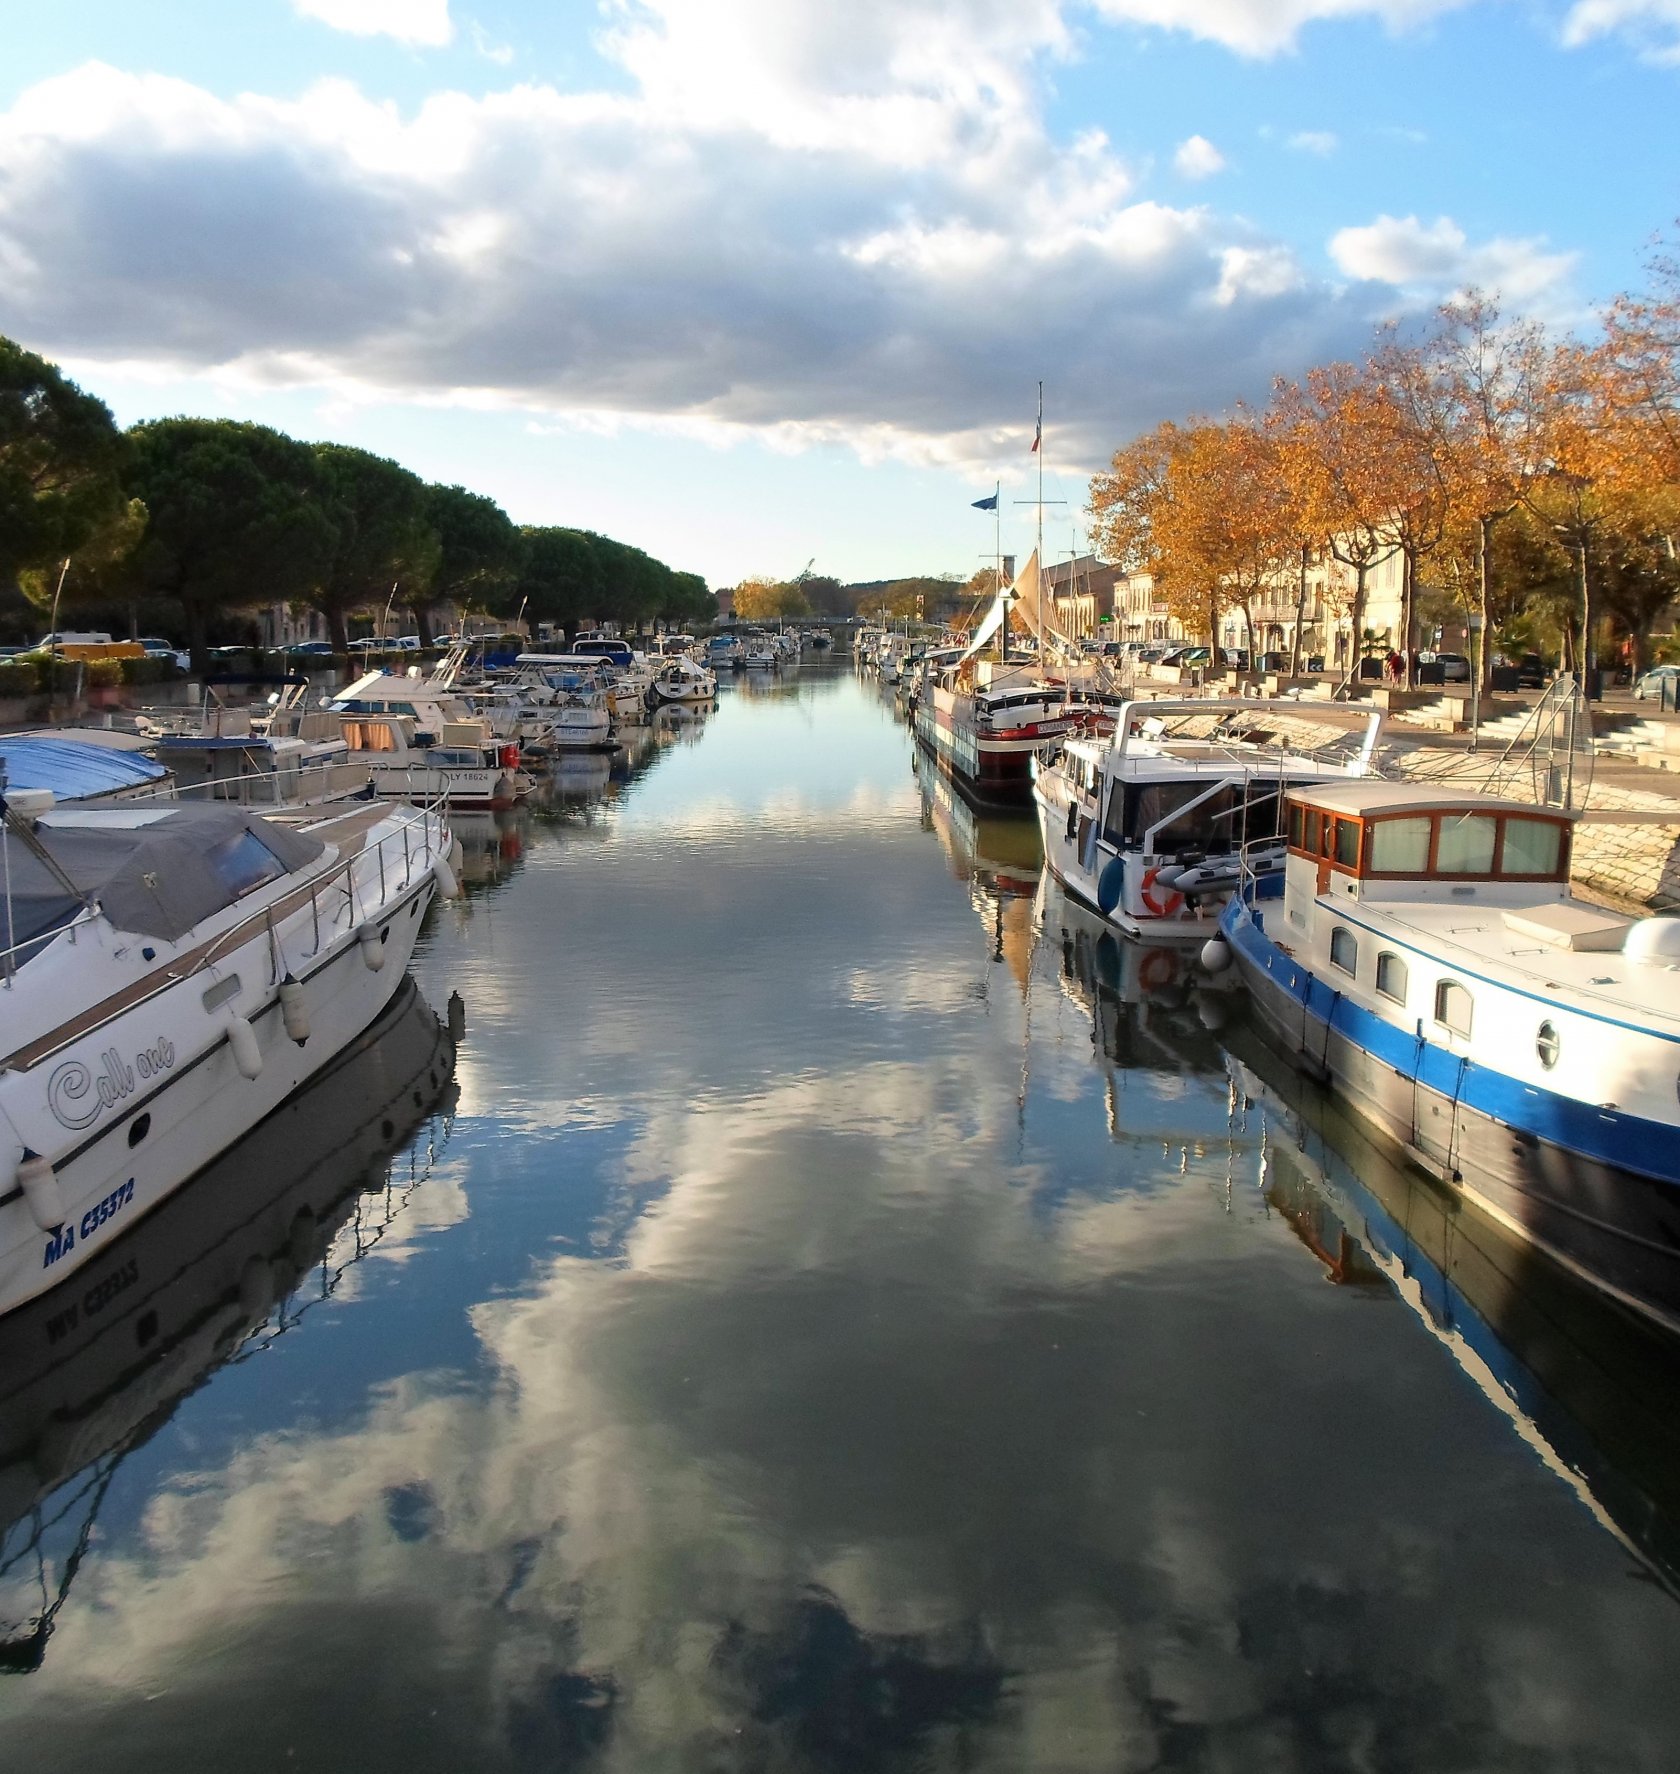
[1547,1045]
[138,1128]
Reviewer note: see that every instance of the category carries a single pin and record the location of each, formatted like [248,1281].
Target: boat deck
[1475,938]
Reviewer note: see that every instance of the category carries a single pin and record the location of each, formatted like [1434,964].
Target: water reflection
[864,1340]
[1592,1386]
[232,1261]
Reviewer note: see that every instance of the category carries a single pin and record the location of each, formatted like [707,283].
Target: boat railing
[346,885]
[1253,882]
[1550,753]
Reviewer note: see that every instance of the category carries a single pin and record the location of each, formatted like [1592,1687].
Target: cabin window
[1297,827]
[1314,833]
[1532,847]
[1347,843]
[1114,817]
[242,863]
[1344,949]
[1465,846]
[1400,846]
[370,736]
[1454,1007]
[1391,976]
[1546,1042]
[1204,826]
[1262,815]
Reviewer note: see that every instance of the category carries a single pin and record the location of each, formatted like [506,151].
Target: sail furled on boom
[1037,608]
[988,627]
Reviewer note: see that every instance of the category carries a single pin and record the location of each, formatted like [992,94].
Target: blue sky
[749,282]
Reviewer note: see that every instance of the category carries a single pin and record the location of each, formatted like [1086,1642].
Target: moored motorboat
[1149,826]
[684,680]
[417,739]
[170,975]
[1421,951]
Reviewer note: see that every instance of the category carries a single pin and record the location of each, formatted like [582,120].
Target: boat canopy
[154,874]
[75,770]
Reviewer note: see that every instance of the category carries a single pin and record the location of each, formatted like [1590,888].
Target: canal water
[843,1311]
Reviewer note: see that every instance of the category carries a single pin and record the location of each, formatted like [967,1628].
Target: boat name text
[77,1097]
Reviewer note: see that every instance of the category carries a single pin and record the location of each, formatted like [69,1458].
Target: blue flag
[986,504]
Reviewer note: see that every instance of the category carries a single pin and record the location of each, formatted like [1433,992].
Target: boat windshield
[1235,813]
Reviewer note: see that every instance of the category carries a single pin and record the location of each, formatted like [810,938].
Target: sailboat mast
[1039,434]
[997,528]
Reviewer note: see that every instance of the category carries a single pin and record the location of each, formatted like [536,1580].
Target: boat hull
[97,1356]
[992,769]
[1072,857]
[1597,1190]
[177,1095]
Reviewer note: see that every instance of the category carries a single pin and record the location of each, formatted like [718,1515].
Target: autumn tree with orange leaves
[1337,428]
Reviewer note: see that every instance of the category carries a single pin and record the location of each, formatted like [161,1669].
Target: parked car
[1650,685]
[1236,658]
[157,648]
[1455,667]
[406,643]
[310,650]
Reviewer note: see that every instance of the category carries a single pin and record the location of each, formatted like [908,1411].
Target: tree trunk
[1583,592]
[337,630]
[1356,621]
[1484,603]
[1408,599]
[1300,615]
[422,614]
[195,635]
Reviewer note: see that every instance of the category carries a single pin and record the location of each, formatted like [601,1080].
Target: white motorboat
[626,676]
[684,680]
[284,753]
[417,738]
[577,698]
[1149,826]
[1422,953]
[170,975]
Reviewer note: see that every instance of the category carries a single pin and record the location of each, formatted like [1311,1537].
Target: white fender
[294,1012]
[242,1039]
[447,885]
[40,1185]
[373,948]
[1216,954]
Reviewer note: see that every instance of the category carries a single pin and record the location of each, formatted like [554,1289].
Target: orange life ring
[1161,909]
[1158,968]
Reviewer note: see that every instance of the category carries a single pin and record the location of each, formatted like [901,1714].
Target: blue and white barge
[1422,953]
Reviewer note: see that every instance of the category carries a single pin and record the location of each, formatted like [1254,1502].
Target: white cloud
[499,53]
[1266,27]
[1654,25]
[1257,271]
[424,23]
[1438,258]
[795,226]
[1314,141]
[1197,158]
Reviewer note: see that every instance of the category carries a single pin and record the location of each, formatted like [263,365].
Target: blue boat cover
[74,769]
